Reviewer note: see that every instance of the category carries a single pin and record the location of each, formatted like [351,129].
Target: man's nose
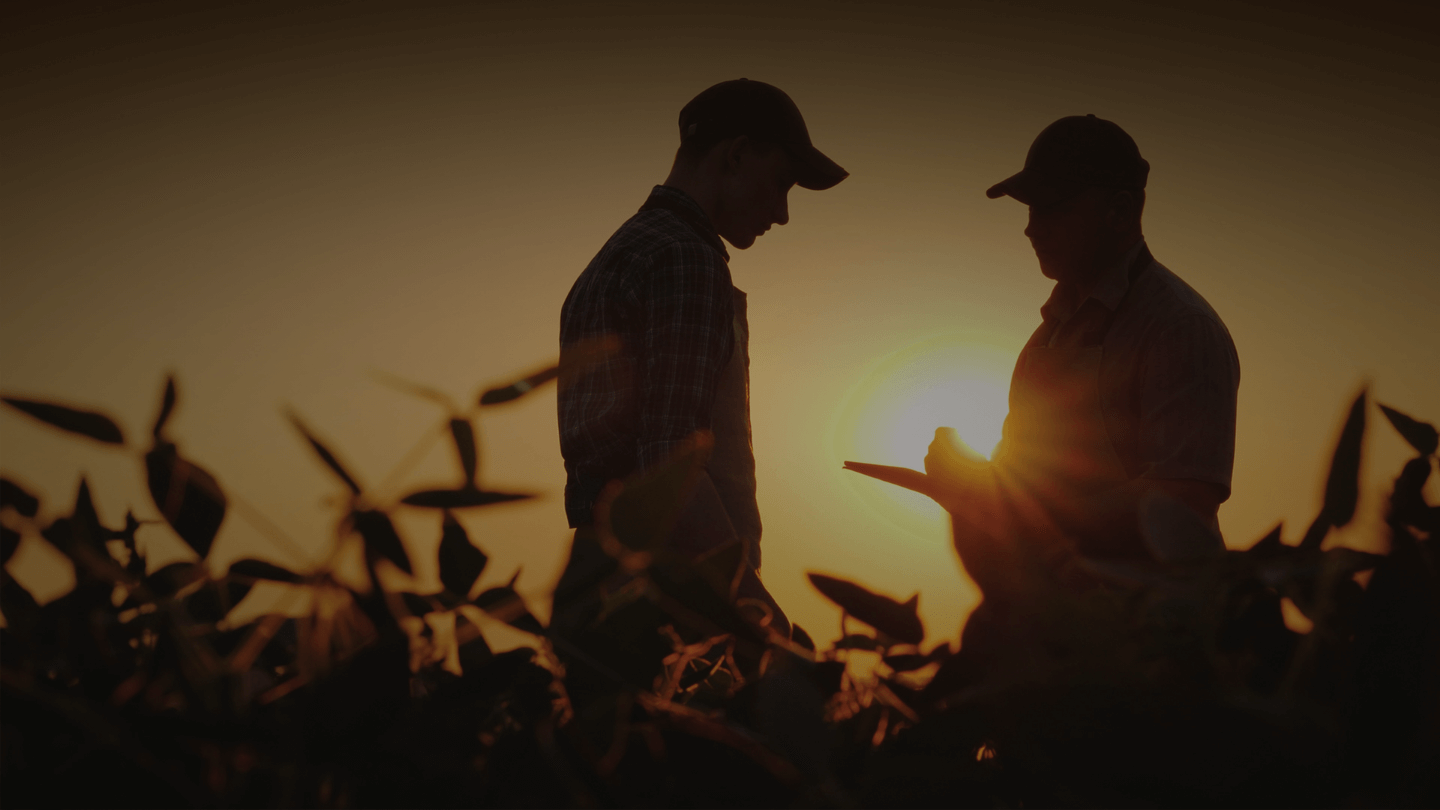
[782,213]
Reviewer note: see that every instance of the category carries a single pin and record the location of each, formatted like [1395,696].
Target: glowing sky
[273,201]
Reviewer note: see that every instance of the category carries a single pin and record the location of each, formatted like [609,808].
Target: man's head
[1084,180]
[743,145]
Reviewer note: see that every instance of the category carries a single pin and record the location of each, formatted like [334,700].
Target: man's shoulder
[655,234]
[1165,300]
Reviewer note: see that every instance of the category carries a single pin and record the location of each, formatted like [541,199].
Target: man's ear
[732,151]
[1124,208]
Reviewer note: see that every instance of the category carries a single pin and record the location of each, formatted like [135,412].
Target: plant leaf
[85,528]
[464,434]
[896,619]
[519,388]
[9,541]
[171,579]
[325,454]
[86,423]
[187,496]
[418,605]
[857,641]
[461,563]
[167,404]
[907,663]
[458,498]
[1421,436]
[573,358]
[14,495]
[1342,486]
[827,675]
[1269,545]
[381,540]
[506,605]
[1342,489]
[415,389]
[802,638]
[259,569]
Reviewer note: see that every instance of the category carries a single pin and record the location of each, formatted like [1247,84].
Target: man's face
[1071,236]
[756,182]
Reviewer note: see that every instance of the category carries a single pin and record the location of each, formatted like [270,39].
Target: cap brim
[1028,189]
[813,170]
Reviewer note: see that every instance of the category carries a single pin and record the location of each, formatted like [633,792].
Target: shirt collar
[1109,291]
[689,211]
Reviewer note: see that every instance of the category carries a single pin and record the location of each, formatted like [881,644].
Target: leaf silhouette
[908,662]
[82,538]
[827,676]
[15,496]
[85,528]
[1407,499]
[461,563]
[259,569]
[418,605]
[572,359]
[506,605]
[1269,545]
[167,404]
[381,540]
[896,619]
[86,423]
[857,641]
[325,455]
[415,389]
[213,601]
[519,388]
[459,498]
[1421,436]
[173,578]
[20,608]
[802,638]
[464,434]
[187,496]
[1342,487]
[9,541]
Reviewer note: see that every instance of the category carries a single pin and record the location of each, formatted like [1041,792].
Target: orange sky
[272,202]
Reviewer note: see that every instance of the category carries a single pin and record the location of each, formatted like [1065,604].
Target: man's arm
[686,298]
[1186,431]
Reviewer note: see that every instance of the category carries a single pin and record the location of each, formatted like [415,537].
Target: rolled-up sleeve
[688,309]
[1187,403]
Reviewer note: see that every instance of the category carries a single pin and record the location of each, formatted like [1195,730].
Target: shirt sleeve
[1187,403]
[687,301]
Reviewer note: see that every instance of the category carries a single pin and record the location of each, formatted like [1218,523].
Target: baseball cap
[1071,154]
[764,112]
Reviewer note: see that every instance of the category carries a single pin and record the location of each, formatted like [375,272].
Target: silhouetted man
[1126,390]
[661,284]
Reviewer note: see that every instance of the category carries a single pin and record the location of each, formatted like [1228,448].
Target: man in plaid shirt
[661,286]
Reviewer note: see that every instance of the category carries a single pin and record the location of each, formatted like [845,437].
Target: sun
[890,416]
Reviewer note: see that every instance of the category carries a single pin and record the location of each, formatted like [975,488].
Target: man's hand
[955,468]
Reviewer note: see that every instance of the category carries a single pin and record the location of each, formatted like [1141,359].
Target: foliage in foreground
[654,685]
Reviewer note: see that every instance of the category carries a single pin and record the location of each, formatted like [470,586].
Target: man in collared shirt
[1127,390]
[662,286]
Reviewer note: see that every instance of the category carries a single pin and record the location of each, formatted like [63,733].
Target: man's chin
[739,242]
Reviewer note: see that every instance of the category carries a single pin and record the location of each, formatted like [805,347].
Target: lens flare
[890,416]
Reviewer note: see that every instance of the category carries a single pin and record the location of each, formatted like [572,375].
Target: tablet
[900,476]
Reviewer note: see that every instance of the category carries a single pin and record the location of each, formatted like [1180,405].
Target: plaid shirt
[661,284]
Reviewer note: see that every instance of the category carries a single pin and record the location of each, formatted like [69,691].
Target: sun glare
[890,415]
